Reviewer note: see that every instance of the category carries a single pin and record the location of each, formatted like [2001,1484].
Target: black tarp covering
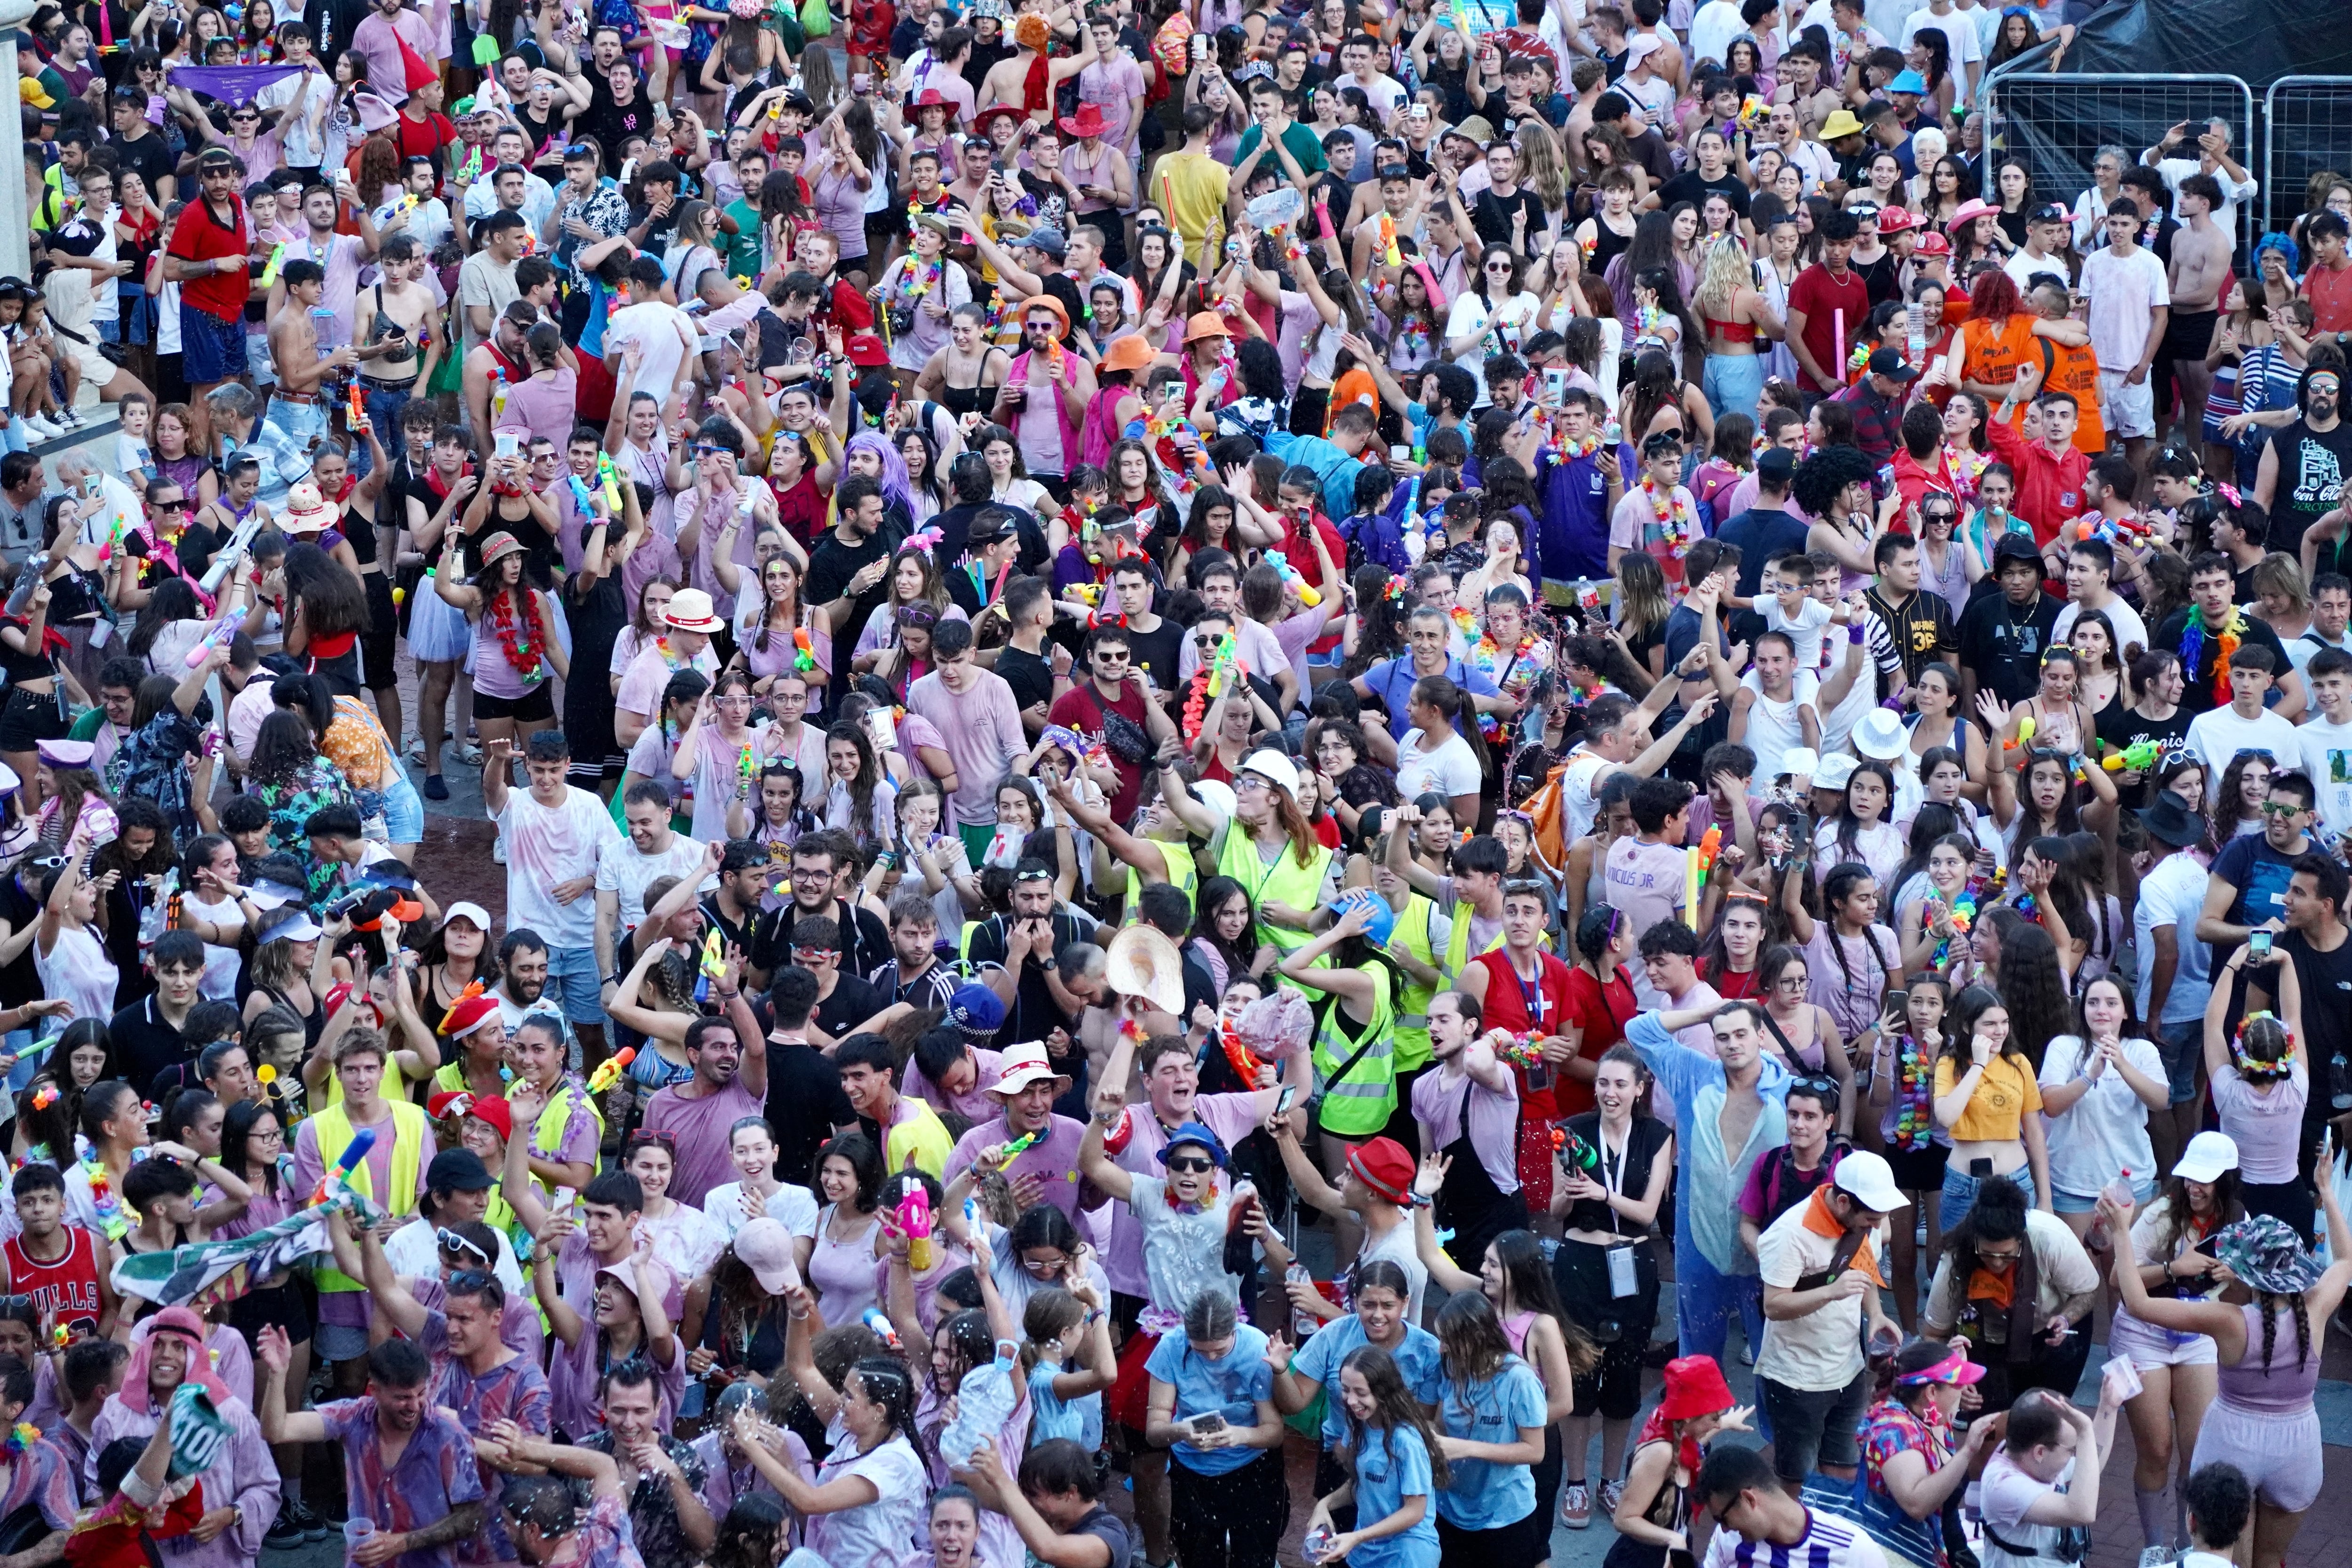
[2257,41]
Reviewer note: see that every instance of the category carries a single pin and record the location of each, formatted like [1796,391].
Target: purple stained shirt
[242,1473]
[42,1474]
[700,1126]
[975,1104]
[1232,1117]
[514,1390]
[572,1370]
[435,1476]
[723,1483]
[519,1329]
[1494,1125]
[1052,1160]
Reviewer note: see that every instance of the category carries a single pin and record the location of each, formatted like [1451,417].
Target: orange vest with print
[1994,354]
[2076,373]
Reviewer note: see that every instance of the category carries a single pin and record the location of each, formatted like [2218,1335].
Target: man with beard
[1045,396]
[2301,481]
[730,1057]
[407,1464]
[1017,956]
[522,965]
[816,862]
[851,561]
[542,1515]
[914,980]
[623,871]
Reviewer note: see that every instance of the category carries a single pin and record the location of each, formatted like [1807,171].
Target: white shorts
[2129,411]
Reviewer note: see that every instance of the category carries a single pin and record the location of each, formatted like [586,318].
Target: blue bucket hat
[1194,1133]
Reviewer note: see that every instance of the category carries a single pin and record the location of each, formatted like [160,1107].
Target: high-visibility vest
[334,1135]
[1412,1047]
[1283,882]
[1359,1104]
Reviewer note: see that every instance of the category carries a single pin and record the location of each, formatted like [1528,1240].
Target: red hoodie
[2049,488]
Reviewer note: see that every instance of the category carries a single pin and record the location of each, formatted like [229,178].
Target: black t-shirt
[1694,188]
[2326,983]
[852,1002]
[2118,727]
[146,154]
[1491,216]
[2003,643]
[2261,874]
[1031,678]
[145,1044]
[1033,1014]
[864,941]
[1883,277]
[805,1103]
[1158,650]
[611,123]
[2311,468]
[832,563]
[2196,684]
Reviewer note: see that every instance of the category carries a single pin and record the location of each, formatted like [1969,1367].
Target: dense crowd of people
[1204,724]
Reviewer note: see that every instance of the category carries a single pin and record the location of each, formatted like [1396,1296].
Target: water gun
[497,391]
[714,965]
[2024,734]
[804,650]
[1390,255]
[1307,593]
[276,260]
[218,635]
[471,169]
[608,1072]
[340,1178]
[2120,529]
[583,497]
[1574,1152]
[2135,758]
[915,1219]
[1710,845]
[1224,663]
[609,476]
[1014,1150]
[876,1319]
[404,203]
[355,406]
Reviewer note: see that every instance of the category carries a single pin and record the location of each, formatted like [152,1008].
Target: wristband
[1855,632]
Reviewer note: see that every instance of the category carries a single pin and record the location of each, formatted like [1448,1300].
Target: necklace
[2192,647]
[520,637]
[1677,525]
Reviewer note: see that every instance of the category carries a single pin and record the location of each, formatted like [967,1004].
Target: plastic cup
[355,1531]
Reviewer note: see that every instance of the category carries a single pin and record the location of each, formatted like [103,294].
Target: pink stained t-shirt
[1232,1117]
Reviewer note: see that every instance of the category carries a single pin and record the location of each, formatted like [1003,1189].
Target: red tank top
[1532,1006]
[67,1287]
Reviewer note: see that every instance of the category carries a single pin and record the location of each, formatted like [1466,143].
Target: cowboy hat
[1967,213]
[1088,121]
[1025,1065]
[306,510]
[1832,774]
[1840,123]
[932,97]
[1143,963]
[689,611]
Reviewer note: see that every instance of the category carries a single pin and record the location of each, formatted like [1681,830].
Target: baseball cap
[1890,364]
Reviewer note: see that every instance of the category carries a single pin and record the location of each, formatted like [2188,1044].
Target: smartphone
[1555,384]
[1282,1102]
[1200,46]
[1898,1004]
[1202,1425]
[1980,1168]
[2258,945]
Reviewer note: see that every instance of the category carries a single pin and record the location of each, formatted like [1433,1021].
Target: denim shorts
[1732,381]
[403,812]
[211,349]
[2063,1202]
[1959,1193]
[573,974]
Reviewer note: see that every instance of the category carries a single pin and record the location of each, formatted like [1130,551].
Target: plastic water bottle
[1302,1322]
[983,1400]
[2118,1190]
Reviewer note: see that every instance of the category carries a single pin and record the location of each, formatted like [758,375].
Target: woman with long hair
[1653,1513]
[1851,956]
[1491,1405]
[292,779]
[840,1268]
[2000,1249]
[2043,805]
[1494,315]
[1936,723]
[1442,752]
[1729,954]
[2098,1084]
[1800,1033]
[858,797]
[326,611]
[1393,1458]
[516,651]
[1985,1090]
[1410,326]
[1224,936]
[861,1510]
[2012,184]
[2260,1083]
[2262,1418]
[1950,564]
[2172,1255]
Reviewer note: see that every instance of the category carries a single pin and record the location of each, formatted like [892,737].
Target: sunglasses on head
[1033,876]
[451,1241]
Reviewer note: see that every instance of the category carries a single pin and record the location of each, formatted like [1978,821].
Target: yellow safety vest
[1412,1047]
[1183,874]
[1283,882]
[1359,1105]
[334,1135]
[923,1136]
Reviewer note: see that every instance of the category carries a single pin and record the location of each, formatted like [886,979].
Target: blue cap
[1908,81]
[976,1011]
[1194,1133]
[1384,916]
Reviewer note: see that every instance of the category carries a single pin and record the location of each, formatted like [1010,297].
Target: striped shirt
[1827,1543]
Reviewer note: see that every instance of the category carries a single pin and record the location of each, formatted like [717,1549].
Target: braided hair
[1836,887]
[890,1385]
[2270,1302]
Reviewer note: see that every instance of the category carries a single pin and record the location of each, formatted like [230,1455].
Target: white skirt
[437,631]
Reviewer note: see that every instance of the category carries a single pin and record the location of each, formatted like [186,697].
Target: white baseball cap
[2207,1155]
[1868,1180]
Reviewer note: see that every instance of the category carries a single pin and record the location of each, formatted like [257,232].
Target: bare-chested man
[297,418]
[1803,68]
[1008,79]
[2201,271]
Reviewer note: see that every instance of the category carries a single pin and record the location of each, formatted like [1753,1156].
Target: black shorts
[380,642]
[538,703]
[1919,1170]
[280,1306]
[1518,1544]
[2188,333]
[30,718]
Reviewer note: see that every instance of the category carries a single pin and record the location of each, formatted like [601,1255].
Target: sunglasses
[170,505]
[2276,808]
[468,1281]
[815,955]
[451,1242]
[1818,1083]
[1192,1164]
[1033,876]
[642,1140]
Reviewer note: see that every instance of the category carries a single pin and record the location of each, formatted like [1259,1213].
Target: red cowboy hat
[1088,121]
[933,98]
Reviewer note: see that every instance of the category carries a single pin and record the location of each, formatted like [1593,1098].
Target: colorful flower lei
[1915,1093]
[1677,526]
[1464,622]
[2192,647]
[670,656]
[2259,1071]
[522,640]
[102,1199]
[1967,469]
[21,1439]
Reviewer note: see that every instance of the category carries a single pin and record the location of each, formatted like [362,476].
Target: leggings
[1231,1521]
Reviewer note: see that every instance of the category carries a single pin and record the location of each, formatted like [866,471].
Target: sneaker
[1747,1354]
[71,419]
[1612,1492]
[1575,1506]
[436,788]
[313,1527]
[284,1534]
[38,428]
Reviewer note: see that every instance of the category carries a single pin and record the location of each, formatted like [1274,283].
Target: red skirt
[1535,1164]
[1131,1396]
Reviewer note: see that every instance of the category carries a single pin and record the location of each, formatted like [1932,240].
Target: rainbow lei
[1486,658]
[915,288]
[1677,526]
[2024,905]
[1464,622]
[21,1439]
[2192,647]
[1915,1090]
[2263,1072]
[1964,913]
[102,1199]
[1967,469]
[1521,1050]
[670,659]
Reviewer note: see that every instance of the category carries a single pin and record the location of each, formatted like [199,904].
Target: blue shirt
[1391,680]
[1079,1419]
[1572,536]
[1231,1386]
[1482,1494]
[1710,1177]
[1318,1359]
[1334,468]
[1395,1465]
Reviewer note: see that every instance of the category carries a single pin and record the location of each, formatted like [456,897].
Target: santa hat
[414,70]
[469,1014]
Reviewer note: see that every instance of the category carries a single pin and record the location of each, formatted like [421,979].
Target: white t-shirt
[1958,26]
[2005,1495]
[1712,28]
[1775,728]
[791,1206]
[1822,1349]
[2129,628]
[2300,649]
[626,871]
[2105,1132]
[2173,894]
[1828,1542]
[2326,752]
[667,334]
[2022,268]
[1506,327]
[548,845]
[2123,290]
[2218,735]
[1804,628]
[1450,770]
